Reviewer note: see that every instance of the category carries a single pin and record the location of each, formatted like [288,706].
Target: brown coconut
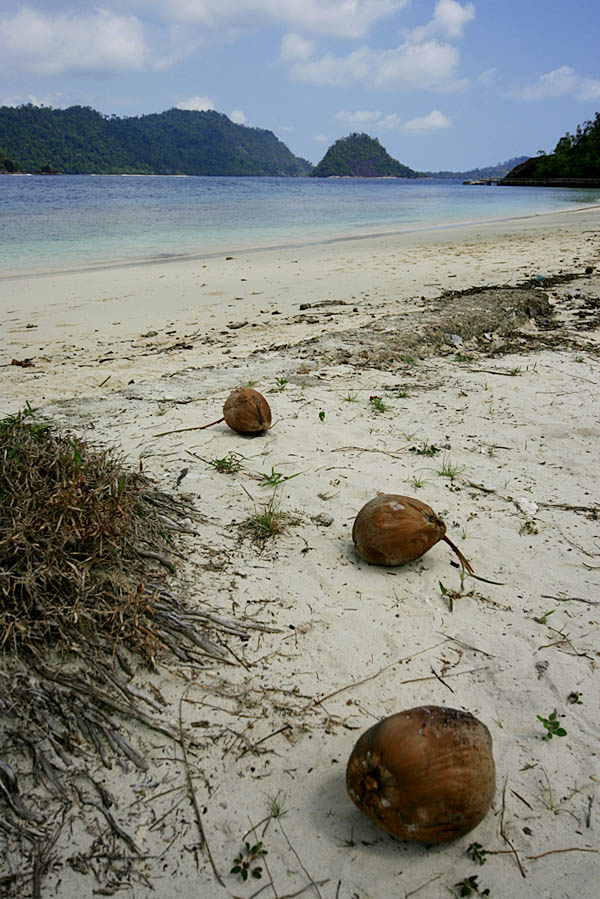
[425,775]
[247,411]
[392,529]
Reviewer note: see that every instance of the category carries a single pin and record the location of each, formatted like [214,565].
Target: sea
[55,223]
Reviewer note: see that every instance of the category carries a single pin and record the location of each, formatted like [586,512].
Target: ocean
[50,223]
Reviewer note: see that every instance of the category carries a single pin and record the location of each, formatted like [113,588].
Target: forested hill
[79,140]
[360,156]
[490,171]
[576,156]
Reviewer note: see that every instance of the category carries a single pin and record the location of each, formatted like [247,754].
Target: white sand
[372,641]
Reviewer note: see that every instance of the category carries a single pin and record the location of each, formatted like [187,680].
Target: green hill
[360,156]
[576,156]
[79,140]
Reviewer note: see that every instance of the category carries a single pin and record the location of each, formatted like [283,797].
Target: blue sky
[441,83]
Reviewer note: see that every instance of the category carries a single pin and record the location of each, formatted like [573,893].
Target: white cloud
[360,117]
[321,138]
[425,124]
[201,104]
[94,42]
[295,48]
[237,116]
[449,19]
[561,82]
[428,66]
[338,18]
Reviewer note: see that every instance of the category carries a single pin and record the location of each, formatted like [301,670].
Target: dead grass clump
[74,523]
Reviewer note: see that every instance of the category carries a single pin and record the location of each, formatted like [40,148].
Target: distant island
[79,140]
[360,156]
[575,161]
[482,174]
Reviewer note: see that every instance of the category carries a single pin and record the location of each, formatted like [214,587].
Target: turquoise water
[67,221]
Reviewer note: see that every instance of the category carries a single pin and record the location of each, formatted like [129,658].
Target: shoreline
[408,231]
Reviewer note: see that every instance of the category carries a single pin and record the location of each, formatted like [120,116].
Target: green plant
[574,697]
[267,521]
[402,393]
[377,404]
[462,357]
[245,862]
[281,384]
[417,482]
[529,527]
[476,852]
[351,397]
[470,887]
[227,464]
[543,619]
[448,470]
[552,725]
[515,371]
[409,360]
[425,448]
[275,478]
[321,415]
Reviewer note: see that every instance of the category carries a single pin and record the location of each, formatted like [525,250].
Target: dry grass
[74,523]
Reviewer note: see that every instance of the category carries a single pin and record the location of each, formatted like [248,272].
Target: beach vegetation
[575,156]
[470,887]
[449,469]
[266,521]
[425,448]
[245,863]
[227,464]
[275,478]
[281,384]
[321,414]
[377,404]
[552,725]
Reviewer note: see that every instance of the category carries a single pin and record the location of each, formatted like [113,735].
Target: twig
[503,832]
[251,746]
[312,881]
[437,676]
[365,680]
[197,428]
[554,851]
[203,842]
[589,602]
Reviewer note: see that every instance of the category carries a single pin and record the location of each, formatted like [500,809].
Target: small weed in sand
[529,527]
[477,853]
[251,383]
[409,360]
[462,357]
[351,397]
[470,887]
[282,383]
[417,482]
[276,804]
[574,698]
[515,371]
[267,521]
[275,478]
[227,464]
[245,863]
[377,404]
[552,725]
[321,414]
[448,470]
[402,393]
[543,619]
[425,448]
[579,359]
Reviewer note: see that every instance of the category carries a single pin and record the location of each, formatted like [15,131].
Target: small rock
[453,339]
[322,519]
[527,506]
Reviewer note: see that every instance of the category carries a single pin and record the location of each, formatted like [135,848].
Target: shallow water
[72,220]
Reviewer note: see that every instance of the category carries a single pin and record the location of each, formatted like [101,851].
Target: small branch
[192,791]
[371,677]
[197,428]
[503,833]
[554,851]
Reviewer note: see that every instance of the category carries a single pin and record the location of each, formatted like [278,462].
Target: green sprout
[552,725]
[245,862]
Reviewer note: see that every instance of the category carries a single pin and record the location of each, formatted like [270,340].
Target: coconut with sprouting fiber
[392,529]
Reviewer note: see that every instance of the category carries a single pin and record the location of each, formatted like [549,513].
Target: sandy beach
[458,365]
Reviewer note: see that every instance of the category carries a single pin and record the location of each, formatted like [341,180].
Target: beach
[458,365]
